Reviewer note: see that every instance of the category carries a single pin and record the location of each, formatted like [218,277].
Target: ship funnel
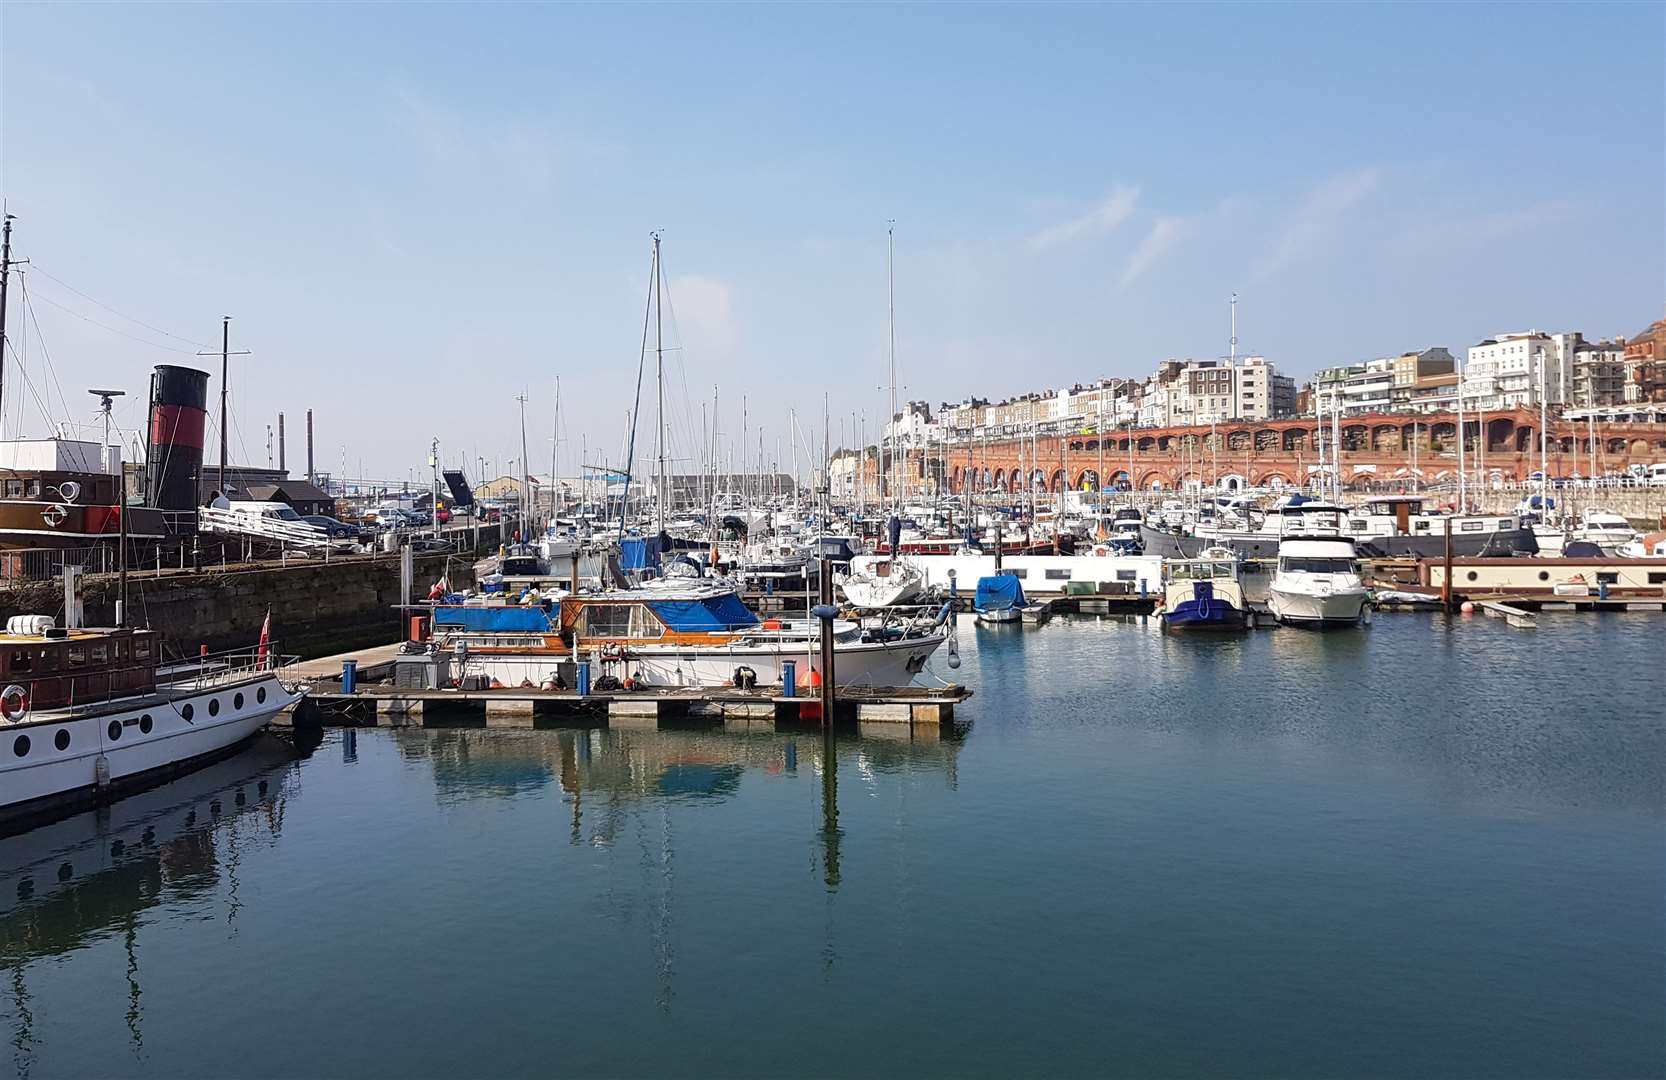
[178,415]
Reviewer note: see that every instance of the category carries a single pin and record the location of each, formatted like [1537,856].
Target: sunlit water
[1420,849]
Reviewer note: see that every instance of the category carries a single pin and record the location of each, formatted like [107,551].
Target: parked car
[336,528]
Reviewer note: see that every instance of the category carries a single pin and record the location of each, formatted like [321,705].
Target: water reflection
[84,878]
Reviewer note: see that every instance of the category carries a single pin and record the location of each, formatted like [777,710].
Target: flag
[265,641]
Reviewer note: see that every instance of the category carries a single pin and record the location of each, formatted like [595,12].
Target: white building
[1504,372]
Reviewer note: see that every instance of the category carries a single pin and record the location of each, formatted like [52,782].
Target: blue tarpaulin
[638,553]
[997,593]
[499,619]
[724,612]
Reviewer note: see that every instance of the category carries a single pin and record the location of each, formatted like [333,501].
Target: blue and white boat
[1205,593]
[1000,598]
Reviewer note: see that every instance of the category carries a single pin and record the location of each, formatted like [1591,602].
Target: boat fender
[613,651]
[943,613]
[772,624]
[101,772]
[745,678]
[14,703]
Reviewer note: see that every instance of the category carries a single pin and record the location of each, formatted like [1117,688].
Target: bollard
[789,678]
[349,676]
[583,678]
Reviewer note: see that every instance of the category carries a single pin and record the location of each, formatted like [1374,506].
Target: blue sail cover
[724,612]
[496,619]
[998,593]
[638,553]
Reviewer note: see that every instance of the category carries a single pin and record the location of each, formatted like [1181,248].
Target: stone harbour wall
[318,608]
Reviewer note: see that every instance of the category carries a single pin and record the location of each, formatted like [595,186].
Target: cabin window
[145,724]
[141,649]
[1127,575]
[1657,578]
[1471,526]
[1014,573]
[61,740]
[34,488]
[20,660]
[20,746]
[49,659]
[1058,575]
[607,620]
[101,653]
[1295,565]
[1608,577]
[644,624]
[77,654]
[14,489]
[114,730]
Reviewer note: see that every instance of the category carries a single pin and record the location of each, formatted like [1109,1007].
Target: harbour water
[1426,848]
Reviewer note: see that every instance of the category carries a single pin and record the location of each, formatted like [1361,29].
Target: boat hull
[1200,615]
[1499,542]
[45,777]
[1301,608]
[889,663]
[1001,615]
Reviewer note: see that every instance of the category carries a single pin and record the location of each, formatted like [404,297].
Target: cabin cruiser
[999,599]
[1317,582]
[1205,593]
[85,713]
[1387,527]
[1604,528]
[678,633]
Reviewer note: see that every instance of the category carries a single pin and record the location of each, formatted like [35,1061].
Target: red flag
[265,640]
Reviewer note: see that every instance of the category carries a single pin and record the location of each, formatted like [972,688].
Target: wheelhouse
[62,668]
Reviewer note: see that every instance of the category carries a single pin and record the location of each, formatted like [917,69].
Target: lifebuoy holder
[14,703]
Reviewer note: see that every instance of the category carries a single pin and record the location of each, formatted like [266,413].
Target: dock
[512,707]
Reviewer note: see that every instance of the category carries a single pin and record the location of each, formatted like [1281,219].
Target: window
[34,487]
[1657,578]
[1127,575]
[145,724]
[20,746]
[77,654]
[61,740]
[14,489]
[1015,573]
[20,660]
[237,702]
[607,620]
[101,653]
[186,713]
[260,695]
[214,706]
[141,649]
[114,730]
[1291,564]
[1058,575]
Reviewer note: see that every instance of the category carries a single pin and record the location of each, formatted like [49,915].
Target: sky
[416,214]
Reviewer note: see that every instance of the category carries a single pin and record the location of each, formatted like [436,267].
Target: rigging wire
[40,340]
[91,300]
[113,330]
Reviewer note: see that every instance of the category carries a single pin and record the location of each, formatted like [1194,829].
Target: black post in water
[1446,583]
[825,612]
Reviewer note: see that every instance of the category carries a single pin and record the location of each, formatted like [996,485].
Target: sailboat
[887,582]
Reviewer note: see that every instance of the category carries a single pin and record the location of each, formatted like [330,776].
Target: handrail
[239,523]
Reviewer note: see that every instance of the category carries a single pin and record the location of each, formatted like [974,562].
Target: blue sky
[415,213]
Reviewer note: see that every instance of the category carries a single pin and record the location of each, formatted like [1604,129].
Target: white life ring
[14,703]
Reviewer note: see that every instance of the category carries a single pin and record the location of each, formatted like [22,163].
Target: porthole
[145,724]
[1544,575]
[1473,575]
[61,740]
[214,706]
[260,695]
[20,746]
[237,702]
[114,730]
[186,712]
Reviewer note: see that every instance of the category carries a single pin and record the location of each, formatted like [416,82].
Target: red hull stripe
[177,425]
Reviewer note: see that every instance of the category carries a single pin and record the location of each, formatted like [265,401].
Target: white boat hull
[892,663]
[43,771]
[1345,607]
[866,587]
[1001,615]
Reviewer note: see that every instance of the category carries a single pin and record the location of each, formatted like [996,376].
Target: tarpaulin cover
[501,619]
[638,553]
[995,593]
[724,612]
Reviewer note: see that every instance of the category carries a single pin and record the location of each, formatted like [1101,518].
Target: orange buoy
[772,624]
[1467,607]
[810,680]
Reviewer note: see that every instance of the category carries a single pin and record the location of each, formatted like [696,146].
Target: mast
[1462,481]
[659,406]
[5,279]
[1544,456]
[555,448]
[526,483]
[225,354]
[891,295]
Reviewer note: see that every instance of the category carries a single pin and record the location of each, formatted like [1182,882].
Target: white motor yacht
[1317,583]
[1604,528]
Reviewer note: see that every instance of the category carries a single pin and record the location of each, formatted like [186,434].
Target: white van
[1655,475]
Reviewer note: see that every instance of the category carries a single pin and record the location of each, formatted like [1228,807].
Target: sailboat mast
[660,491]
[526,481]
[891,300]
[555,449]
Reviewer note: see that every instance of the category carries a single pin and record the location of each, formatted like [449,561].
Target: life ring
[14,703]
[612,651]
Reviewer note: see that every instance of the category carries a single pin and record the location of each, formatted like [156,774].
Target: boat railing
[79,692]
[210,669]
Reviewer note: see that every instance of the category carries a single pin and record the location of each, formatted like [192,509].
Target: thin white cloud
[1096,222]
[1456,231]
[1315,225]
[1164,232]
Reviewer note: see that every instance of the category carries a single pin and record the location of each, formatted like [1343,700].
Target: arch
[1122,444]
[1617,446]
[1000,480]
[957,479]
[1147,444]
[1354,437]
[1443,436]
[1386,437]
[1414,434]
[1086,480]
[988,479]
[1056,482]
[1238,440]
[1038,481]
[1526,439]
[1640,447]
[1165,443]
[1154,480]
[1498,433]
[1119,480]
[1295,439]
[1266,439]
[1273,478]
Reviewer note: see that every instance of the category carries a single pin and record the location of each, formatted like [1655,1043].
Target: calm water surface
[1418,850]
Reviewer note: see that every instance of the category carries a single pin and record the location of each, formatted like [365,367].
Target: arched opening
[1238,440]
[1087,480]
[1147,444]
[1498,434]
[1385,437]
[1055,483]
[1354,437]
[1266,439]
[1295,439]
[1443,436]
[1119,480]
